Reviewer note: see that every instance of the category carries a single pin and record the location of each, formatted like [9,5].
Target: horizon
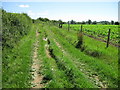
[66,11]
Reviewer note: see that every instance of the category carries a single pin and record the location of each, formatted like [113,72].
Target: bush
[15,26]
[80,40]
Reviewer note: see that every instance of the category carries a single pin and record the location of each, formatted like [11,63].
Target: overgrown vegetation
[16,48]
[68,59]
[15,26]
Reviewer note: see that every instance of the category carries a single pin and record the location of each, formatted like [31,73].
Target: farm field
[99,31]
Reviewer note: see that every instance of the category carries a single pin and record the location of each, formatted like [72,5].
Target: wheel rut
[36,66]
[94,77]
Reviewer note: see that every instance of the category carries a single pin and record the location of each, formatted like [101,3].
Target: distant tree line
[95,22]
[60,22]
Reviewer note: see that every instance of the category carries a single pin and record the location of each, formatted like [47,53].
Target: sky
[66,11]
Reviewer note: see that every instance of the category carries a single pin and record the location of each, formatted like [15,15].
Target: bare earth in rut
[37,78]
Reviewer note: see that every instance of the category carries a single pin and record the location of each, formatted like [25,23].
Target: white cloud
[24,6]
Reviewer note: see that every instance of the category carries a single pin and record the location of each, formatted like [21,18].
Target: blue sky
[78,11]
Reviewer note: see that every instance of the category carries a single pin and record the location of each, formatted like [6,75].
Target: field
[47,56]
[100,31]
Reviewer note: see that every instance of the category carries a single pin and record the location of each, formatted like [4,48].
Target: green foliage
[16,54]
[55,77]
[105,66]
[62,65]
[99,31]
[15,26]
[80,40]
[16,64]
[43,19]
[68,66]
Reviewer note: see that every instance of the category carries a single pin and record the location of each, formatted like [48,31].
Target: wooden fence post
[81,28]
[108,39]
[80,38]
[58,24]
[68,26]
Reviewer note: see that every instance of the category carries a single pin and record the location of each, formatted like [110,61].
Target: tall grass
[106,72]
[16,66]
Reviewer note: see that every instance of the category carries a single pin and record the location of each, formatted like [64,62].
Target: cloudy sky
[78,11]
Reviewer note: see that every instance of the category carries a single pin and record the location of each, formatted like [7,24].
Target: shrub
[80,40]
[15,26]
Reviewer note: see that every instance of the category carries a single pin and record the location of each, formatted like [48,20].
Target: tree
[105,22]
[116,23]
[33,20]
[112,22]
[41,19]
[72,22]
[89,21]
[83,22]
[46,19]
[94,22]
[78,22]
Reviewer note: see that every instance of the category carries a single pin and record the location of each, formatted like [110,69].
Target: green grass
[105,71]
[62,64]
[100,31]
[17,64]
[54,77]
[76,78]
[109,55]
[68,67]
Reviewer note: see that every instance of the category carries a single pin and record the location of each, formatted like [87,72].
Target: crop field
[100,31]
[39,54]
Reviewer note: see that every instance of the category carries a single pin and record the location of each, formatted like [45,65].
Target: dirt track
[37,78]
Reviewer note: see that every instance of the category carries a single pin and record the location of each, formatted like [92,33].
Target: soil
[36,67]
